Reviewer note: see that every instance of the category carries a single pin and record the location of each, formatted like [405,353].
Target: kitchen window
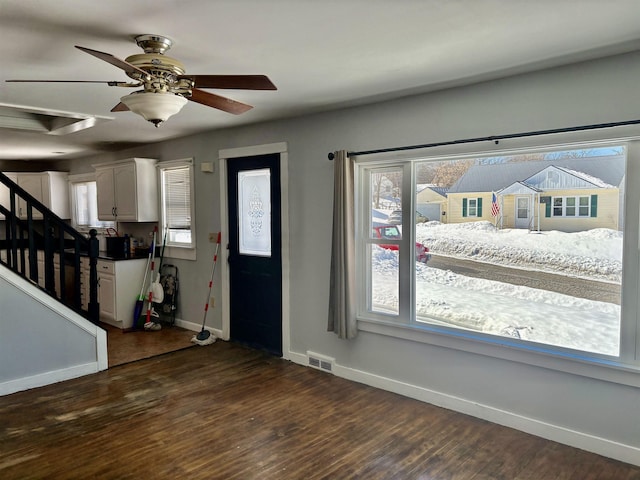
[84,204]
[177,206]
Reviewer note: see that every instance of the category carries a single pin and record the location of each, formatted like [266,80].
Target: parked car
[395,217]
[392,232]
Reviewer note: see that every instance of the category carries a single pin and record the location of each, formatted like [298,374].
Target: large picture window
[548,283]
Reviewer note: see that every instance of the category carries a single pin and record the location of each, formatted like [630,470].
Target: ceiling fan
[166,86]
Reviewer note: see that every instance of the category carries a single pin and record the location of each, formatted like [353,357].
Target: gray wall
[36,339]
[592,92]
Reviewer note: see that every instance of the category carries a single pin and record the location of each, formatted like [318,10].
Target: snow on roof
[439,190]
[588,178]
[519,188]
[608,170]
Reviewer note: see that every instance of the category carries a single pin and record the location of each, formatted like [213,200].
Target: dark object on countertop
[115,247]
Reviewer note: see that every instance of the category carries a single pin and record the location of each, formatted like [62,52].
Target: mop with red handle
[148,324]
[205,337]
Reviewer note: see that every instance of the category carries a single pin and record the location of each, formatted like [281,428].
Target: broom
[205,337]
[137,310]
[148,324]
[156,287]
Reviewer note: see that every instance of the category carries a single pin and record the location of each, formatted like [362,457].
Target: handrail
[23,238]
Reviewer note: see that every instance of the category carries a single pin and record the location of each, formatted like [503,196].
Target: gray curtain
[342,290]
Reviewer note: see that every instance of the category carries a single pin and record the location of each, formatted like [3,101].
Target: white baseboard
[48,378]
[573,438]
[196,327]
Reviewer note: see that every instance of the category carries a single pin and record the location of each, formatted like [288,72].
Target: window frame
[624,369]
[177,250]
[576,206]
[472,210]
[75,180]
[477,207]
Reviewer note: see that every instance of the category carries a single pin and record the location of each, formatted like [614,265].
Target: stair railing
[31,227]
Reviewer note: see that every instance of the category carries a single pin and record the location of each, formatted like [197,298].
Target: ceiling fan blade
[110,83]
[120,107]
[241,82]
[216,101]
[107,57]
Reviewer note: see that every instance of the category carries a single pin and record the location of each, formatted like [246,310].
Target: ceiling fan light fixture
[154,107]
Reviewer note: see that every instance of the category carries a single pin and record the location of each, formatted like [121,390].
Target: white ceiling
[321,54]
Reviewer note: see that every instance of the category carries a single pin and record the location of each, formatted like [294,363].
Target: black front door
[255,256]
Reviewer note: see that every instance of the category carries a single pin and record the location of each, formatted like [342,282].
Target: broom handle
[144,280]
[153,259]
[164,242]
[213,271]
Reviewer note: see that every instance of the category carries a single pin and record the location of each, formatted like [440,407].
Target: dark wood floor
[228,412]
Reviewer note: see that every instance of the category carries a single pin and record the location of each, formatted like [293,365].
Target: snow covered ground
[508,310]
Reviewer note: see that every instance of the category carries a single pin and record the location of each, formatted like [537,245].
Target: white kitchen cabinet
[40,259]
[107,292]
[49,188]
[4,192]
[119,283]
[40,263]
[32,183]
[56,270]
[127,190]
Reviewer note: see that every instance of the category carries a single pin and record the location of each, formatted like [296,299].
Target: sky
[509,310]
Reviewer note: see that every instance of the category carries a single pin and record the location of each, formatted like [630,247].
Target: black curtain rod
[494,138]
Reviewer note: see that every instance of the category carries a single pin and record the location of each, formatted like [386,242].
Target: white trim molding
[42,378]
[223,156]
[573,438]
[48,378]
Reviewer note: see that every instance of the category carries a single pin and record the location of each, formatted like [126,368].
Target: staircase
[40,230]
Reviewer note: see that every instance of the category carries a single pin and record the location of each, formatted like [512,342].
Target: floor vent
[320,362]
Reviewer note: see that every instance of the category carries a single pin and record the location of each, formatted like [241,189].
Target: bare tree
[447,173]
[385,181]
[425,172]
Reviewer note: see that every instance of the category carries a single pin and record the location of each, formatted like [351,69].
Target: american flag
[495,208]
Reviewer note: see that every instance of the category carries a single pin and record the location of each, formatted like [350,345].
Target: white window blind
[176,187]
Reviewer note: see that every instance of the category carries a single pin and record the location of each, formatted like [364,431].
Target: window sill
[533,354]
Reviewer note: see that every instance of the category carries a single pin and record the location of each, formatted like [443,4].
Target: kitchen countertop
[102,255]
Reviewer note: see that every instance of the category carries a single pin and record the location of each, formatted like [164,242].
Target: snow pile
[447,298]
[594,254]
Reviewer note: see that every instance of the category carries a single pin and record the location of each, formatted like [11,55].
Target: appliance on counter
[118,247]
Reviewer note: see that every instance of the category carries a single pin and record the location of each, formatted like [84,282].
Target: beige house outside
[431,201]
[568,195]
